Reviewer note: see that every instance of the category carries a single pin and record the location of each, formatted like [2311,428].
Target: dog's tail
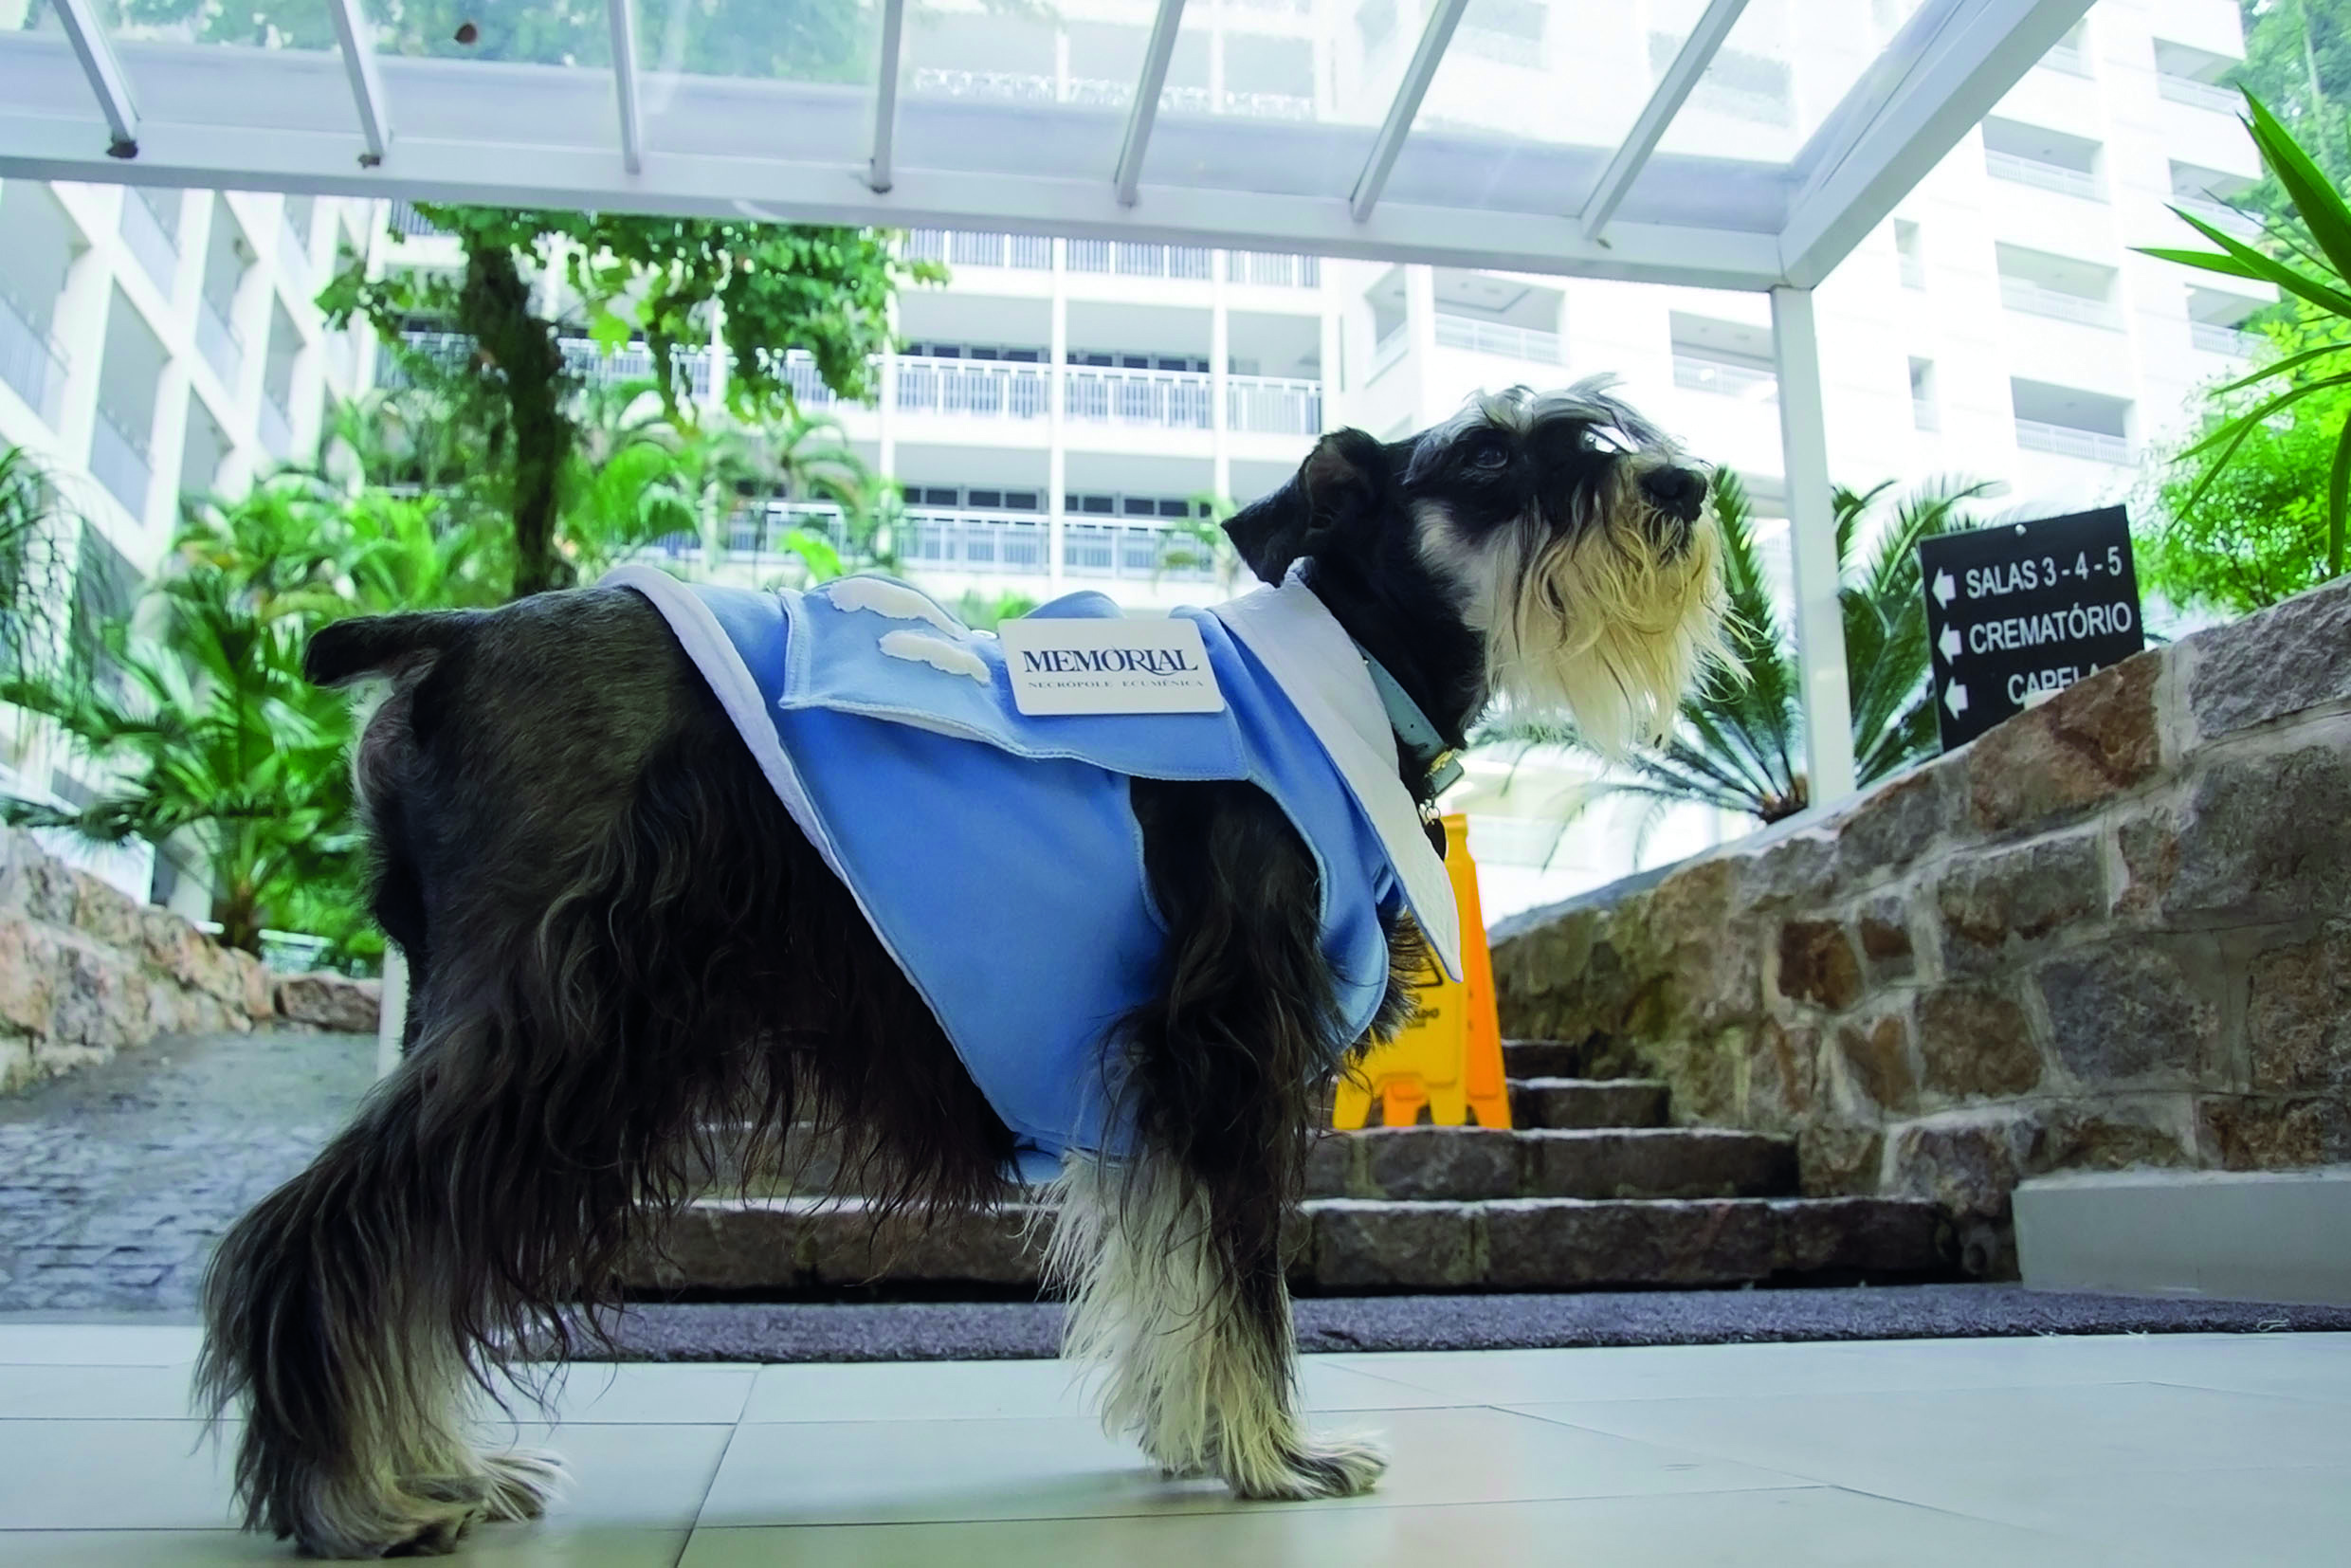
[382,644]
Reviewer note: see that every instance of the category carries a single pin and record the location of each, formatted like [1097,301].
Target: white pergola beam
[879,175]
[1963,60]
[113,89]
[367,83]
[1811,547]
[1435,38]
[624,20]
[1144,111]
[1665,101]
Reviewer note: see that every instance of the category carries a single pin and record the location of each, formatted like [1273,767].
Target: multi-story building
[157,343]
[1064,408]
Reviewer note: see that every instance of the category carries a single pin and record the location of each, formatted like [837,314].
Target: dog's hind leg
[1175,1258]
[334,1325]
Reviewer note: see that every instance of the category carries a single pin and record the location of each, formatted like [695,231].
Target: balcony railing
[1269,406]
[406,220]
[120,461]
[1138,261]
[808,387]
[958,248]
[2204,95]
[29,360]
[2017,294]
[1173,400]
[1265,269]
[1388,350]
[156,251]
[1496,338]
[1725,379]
[276,427]
[975,541]
[217,336]
[2212,337]
[2048,176]
[1131,550]
[585,358]
[975,389]
[2035,435]
[2220,214]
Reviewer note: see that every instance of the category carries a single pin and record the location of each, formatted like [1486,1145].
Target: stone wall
[2114,930]
[86,971]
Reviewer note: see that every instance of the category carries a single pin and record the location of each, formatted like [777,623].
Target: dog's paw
[1320,1466]
[522,1484]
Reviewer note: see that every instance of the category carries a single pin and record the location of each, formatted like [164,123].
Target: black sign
[2020,609]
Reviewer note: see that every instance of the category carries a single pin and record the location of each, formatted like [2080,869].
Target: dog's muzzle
[1678,495]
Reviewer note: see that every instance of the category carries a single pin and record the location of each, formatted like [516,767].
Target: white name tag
[1157,665]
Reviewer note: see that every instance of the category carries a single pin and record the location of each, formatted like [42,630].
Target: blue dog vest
[996,854]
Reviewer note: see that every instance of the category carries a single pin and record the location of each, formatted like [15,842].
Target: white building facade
[1063,405]
[157,343]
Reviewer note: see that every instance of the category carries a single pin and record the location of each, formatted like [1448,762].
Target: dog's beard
[1592,621]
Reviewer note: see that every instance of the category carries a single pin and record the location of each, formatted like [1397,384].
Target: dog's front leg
[1174,1257]
[1193,1341]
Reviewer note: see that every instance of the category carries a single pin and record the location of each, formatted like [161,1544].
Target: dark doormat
[942,1331]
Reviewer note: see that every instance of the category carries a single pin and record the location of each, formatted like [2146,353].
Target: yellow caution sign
[1448,1060]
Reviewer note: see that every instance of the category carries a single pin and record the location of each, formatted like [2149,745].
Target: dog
[621,935]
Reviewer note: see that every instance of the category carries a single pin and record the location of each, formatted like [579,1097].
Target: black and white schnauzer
[622,942]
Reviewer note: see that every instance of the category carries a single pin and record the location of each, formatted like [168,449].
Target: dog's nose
[1681,493]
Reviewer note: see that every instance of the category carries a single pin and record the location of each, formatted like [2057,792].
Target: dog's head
[1567,535]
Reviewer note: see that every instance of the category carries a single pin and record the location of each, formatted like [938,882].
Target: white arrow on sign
[1955,698]
[1950,644]
[1945,590]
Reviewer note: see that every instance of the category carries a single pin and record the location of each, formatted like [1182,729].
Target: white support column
[1333,323]
[1219,381]
[1811,546]
[1057,417]
[1420,336]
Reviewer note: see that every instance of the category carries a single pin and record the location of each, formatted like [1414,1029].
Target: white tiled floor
[2191,1449]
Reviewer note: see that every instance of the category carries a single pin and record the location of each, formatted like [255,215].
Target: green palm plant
[1737,745]
[2315,266]
[216,736]
[37,538]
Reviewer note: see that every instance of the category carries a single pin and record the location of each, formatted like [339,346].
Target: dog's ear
[1341,484]
[380,644]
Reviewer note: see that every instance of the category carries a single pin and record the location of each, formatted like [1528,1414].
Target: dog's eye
[1491,454]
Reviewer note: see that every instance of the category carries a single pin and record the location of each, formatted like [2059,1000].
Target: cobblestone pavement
[116,1181]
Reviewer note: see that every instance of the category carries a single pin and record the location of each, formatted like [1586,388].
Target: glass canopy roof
[1733,143]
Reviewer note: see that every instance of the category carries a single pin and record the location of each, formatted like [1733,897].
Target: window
[1911,250]
[1924,414]
[106,589]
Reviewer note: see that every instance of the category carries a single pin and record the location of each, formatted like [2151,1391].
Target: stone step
[1587,1103]
[1547,1059]
[1460,1164]
[1428,1164]
[776,1248]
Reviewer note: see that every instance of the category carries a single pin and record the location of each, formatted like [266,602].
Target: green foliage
[2298,61]
[2256,532]
[214,733]
[1741,736]
[2313,269]
[772,288]
[37,537]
